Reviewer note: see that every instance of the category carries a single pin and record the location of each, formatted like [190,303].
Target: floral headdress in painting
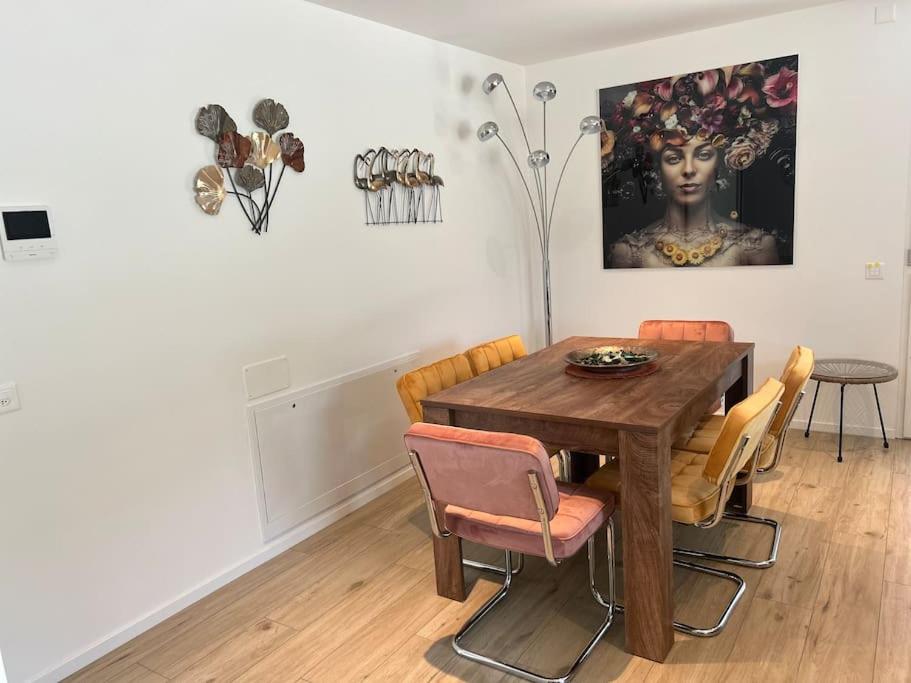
[739,109]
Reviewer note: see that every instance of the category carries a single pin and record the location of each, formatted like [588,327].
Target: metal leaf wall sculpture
[246,161]
[399,186]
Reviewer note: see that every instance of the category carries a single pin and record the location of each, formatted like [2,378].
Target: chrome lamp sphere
[487,130]
[538,159]
[544,91]
[590,125]
[491,82]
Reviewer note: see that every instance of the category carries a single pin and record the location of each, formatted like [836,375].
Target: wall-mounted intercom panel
[26,233]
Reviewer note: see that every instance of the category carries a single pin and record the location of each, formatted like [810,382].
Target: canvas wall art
[698,169]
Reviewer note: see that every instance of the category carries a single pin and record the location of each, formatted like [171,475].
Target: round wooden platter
[641,371]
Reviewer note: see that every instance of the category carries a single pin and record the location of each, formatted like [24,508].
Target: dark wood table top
[692,375]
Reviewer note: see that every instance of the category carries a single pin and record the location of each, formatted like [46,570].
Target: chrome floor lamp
[537,162]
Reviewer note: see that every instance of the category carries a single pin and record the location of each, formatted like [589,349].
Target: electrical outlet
[874,270]
[9,398]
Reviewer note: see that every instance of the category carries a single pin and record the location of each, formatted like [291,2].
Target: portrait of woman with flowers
[698,169]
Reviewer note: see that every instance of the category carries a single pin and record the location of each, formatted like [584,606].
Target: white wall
[126,477]
[852,187]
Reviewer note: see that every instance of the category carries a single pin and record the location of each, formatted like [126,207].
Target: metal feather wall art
[399,186]
[246,161]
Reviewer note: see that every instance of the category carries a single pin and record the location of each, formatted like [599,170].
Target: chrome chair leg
[498,597]
[741,561]
[725,616]
[494,569]
[563,471]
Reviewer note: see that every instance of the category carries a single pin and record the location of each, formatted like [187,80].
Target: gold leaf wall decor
[209,187]
[264,151]
[247,161]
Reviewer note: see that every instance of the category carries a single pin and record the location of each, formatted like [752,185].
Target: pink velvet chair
[499,490]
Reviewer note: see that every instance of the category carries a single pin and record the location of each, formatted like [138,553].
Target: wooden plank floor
[357,601]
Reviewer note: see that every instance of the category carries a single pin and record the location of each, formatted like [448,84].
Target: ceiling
[532,31]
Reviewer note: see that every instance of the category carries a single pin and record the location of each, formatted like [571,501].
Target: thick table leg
[648,572]
[447,552]
[447,559]
[879,410]
[582,466]
[742,497]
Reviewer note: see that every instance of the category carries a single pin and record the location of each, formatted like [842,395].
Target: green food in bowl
[612,355]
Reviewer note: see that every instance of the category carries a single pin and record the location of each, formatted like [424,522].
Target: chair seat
[706,433]
[693,499]
[581,512]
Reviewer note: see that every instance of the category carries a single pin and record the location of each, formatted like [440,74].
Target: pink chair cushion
[581,513]
[486,472]
[686,330]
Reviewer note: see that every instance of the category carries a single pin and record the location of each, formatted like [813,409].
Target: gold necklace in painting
[696,255]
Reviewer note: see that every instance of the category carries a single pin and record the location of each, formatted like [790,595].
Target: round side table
[846,371]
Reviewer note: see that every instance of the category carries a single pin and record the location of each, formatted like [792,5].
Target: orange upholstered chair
[493,354]
[686,330]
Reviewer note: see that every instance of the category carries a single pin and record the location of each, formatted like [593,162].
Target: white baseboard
[305,530]
[832,428]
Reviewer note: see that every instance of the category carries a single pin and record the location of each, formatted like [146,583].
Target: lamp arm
[542,203]
[516,109]
[544,135]
[557,190]
[527,191]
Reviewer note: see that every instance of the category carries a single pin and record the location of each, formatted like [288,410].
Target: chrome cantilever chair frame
[508,573]
[751,519]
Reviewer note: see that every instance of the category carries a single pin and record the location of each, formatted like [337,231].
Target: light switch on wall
[885,13]
[874,270]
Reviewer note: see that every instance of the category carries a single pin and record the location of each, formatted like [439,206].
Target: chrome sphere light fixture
[590,125]
[538,160]
[487,130]
[544,91]
[491,82]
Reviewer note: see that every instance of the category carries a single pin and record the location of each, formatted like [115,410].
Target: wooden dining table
[638,419]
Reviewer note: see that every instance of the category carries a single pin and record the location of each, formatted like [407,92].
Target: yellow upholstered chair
[702,483]
[795,377]
[493,354]
[415,386]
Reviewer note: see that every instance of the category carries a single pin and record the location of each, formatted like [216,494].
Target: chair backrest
[493,354]
[482,471]
[749,418]
[415,386]
[795,377]
[686,330]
